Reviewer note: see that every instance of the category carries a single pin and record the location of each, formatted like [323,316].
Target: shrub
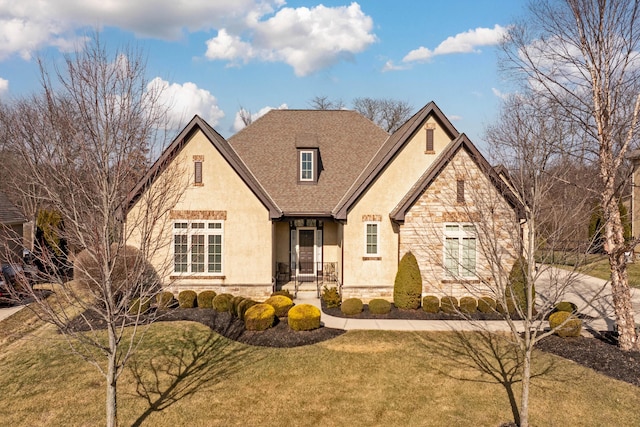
[243,307]
[222,302]
[281,304]
[135,306]
[351,306]
[407,288]
[510,309]
[130,271]
[205,299]
[259,317]
[235,302]
[431,304]
[304,317]
[517,288]
[567,306]
[449,305]
[284,293]
[468,305]
[331,297]
[486,305]
[165,299]
[187,299]
[379,306]
[571,327]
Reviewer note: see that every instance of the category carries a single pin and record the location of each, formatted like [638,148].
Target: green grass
[194,377]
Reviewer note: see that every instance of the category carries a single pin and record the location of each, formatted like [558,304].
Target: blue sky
[214,56]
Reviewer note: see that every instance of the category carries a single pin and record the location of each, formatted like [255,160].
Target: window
[460,191]
[197,173]
[460,250]
[371,232]
[307,169]
[197,247]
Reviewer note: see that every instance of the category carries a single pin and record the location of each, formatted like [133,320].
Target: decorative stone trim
[469,282]
[460,217]
[204,215]
[198,158]
[190,277]
[366,218]
[372,258]
[430,126]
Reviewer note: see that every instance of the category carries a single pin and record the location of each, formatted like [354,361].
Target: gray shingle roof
[9,214]
[269,147]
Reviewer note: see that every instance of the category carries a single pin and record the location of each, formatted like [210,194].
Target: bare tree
[584,56]
[387,113]
[324,103]
[82,143]
[245,116]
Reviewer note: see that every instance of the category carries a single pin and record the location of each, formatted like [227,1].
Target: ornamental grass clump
[304,317]
[222,303]
[165,299]
[468,305]
[431,304]
[351,306]
[486,305]
[407,287]
[449,305]
[259,317]
[187,299]
[564,324]
[379,306]
[205,299]
[330,297]
[280,304]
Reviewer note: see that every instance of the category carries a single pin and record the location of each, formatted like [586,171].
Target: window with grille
[198,247]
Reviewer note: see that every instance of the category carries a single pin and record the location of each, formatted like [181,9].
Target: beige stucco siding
[248,231]
[496,224]
[365,276]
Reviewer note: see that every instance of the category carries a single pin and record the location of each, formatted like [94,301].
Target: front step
[306,290]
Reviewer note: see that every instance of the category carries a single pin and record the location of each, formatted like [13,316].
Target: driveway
[590,294]
[8,311]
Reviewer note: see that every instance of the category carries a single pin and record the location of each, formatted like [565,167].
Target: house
[327,196]
[11,231]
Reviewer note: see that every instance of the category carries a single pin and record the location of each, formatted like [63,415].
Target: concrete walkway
[591,295]
[8,311]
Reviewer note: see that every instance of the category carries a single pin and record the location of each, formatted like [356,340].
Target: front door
[306,249]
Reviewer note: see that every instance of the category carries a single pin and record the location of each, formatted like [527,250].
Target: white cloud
[499,94]
[455,118]
[4,87]
[391,66]
[238,123]
[186,100]
[28,25]
[308,39]
[466,42]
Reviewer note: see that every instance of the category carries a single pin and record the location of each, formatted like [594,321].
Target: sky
[214,57]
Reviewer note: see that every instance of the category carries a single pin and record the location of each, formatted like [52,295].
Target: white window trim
[459,234]
[206,231]
[313,166]
[377,224]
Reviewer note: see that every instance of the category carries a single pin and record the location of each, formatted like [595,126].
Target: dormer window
[307,166]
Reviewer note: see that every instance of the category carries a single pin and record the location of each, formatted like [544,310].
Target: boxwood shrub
[486,305]
[205,299]
[165,299]
[431,304]
[243,307]
[379,306]
[567,306]
[304,317]
[284,293]
[351,306]
[222,302]
[280,304]
[187,299]
[135,306]
[468,305]
[571,328]
[449,305]
[259,317]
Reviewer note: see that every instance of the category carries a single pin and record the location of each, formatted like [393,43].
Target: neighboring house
[320,195]
[11,231]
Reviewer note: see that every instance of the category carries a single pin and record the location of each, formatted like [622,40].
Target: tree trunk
[112,379]
[526,380]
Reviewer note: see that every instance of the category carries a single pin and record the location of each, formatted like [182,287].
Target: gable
[445,159]
[396,143]
[196,126]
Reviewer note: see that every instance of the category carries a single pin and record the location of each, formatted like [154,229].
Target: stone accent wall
[366,294]
[366,218]
[496,224]
[257,292]
[195,215]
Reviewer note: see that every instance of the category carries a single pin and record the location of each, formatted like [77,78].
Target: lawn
[595,265]
[192,376]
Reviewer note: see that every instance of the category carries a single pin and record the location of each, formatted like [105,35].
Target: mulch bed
[600,353]
[418,314]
